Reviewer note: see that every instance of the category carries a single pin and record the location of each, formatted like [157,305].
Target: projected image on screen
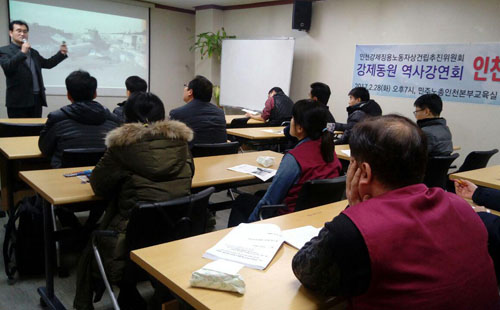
[111,47]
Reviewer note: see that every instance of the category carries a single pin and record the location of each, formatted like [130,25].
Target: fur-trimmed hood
[131,133]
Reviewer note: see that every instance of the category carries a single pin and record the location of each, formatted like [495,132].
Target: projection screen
[110,40]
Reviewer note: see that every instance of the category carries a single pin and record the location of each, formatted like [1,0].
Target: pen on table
[74,174]
[264,170]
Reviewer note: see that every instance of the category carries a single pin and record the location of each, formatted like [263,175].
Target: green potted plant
[209,43]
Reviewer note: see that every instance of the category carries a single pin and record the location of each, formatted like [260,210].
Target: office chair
[436,173]
[313,193]
[81,157]
[153,223]
[212,149]
[240,122]
[20,130]
[474,160]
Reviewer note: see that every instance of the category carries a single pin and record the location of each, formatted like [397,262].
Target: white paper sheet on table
[347,152]
[224,266]
[253,245]
[262,173]
[275,131]
[250,111]
[297,237]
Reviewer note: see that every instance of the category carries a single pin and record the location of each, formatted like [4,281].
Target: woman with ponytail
[313,158]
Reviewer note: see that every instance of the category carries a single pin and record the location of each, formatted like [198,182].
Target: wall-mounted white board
[251,67]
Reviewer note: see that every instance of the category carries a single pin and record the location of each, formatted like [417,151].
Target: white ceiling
[190,4]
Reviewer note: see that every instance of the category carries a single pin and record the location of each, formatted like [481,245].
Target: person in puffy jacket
[360,106]
[82,124]
[428,109]
[148,160]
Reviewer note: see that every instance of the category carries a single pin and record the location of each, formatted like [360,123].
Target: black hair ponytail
[312,116]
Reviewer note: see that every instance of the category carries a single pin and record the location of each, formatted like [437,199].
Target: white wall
[171,62]
[208,20]
[326,53]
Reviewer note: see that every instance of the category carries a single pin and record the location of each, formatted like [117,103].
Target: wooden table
[273,288]
[257,133]
[209,171]
[251,121]
[339,151]
[58,190]
[345,147]
[212,170]
[12,150]
[23,120]
[487,177]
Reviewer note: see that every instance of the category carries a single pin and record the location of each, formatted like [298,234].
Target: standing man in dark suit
[205,119]
[23,69]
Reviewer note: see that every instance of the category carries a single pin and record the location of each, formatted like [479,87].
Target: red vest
[428,250]
[312,167]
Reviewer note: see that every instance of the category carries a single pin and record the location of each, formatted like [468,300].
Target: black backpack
[23,249]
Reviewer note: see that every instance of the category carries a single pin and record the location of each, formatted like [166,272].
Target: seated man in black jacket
[319,92]
[133,84]
[277,109]
[81,124]
[204,118]
[360,106]
[428,107]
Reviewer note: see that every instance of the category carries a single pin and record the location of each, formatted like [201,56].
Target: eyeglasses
[185,85]
[21,31]
[416,111]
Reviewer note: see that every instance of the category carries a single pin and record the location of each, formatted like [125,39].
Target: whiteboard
[251,67]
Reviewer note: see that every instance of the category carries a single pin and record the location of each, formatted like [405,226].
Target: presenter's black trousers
[31,112]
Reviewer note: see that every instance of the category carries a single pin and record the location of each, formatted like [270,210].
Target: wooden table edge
[35,188]
[179,291]
[456,176]
[184,294]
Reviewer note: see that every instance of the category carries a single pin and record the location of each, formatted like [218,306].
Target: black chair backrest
[20,130]
[81,157]
[153,223]
[212,149]
[319,192]
[436,173]
[476,160]
[239,122]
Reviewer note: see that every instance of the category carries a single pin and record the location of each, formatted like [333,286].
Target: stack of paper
[252,245]
[262,173]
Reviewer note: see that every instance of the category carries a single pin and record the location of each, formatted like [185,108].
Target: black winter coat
[438,136]
[355,114]
[19,77]
[118,111]
[205,119]
[78,125]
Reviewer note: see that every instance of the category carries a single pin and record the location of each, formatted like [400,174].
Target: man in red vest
[399,244]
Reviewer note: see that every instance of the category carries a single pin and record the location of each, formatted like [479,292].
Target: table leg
[7,181]
[47,293]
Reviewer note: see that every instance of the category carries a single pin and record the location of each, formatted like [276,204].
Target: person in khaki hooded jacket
[147,159]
